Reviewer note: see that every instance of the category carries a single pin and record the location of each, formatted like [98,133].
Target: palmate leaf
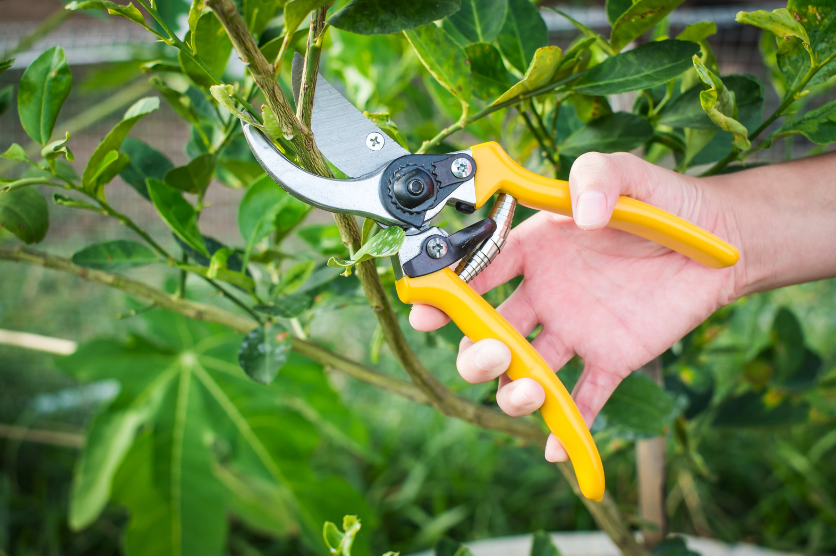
[188,426]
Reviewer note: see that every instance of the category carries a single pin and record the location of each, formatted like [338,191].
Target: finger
[507,265]
[555,452]
[425,318]
[483,361]
[592,391]
[520,397]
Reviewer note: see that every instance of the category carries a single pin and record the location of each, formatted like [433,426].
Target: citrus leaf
[719,103]
[643,67]
[146,162]
[177,212]
[490,78]
[115,255]
[385,244]
[522,33]
[372,17]
[194,177]
[541,72]
[286,306]
[616,132]
[92,177]
[211,45]
[444,59]
[24,212]
[479,20]
[42,91]
[638,19]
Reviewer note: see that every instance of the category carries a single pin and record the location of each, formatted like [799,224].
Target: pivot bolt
[374,141]
[436,247]
[415,187]
[461,168]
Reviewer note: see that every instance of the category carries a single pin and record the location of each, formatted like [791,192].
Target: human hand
[614,299]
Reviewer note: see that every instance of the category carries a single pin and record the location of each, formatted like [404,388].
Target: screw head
[461,168]
[415,187]
[436,247]
[374,141]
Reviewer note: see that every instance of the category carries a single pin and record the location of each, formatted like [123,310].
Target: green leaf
[372,17]
[286,306]
[146,162]
[339,542]
[616,132]
[638,19]
[6,64]
[818,17]
[212,46]
[779,22]
[615,8]
[296,11]
[599,40]
[258,210]
[686,110]
[390,128]
[197,411]
[258,13]
[293,278]
[264,351]
[385,244]
[787,342]
[6,94]
[819,125]
[120,254]
[639,408]
[24,212]
[522,33]
[589,108]
[177,212]
[542,545]
[541,72]
[479,20]
[129,12]
[448,547]
[15,152]
[325,238]
[194,177]
[444,59]
[92,177]
[698,32]
[53,150]
[490,78]
[755,410]
[42,91]
[719,103]
[643,67]
[180,102]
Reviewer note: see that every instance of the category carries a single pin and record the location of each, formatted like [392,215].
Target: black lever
[438,251]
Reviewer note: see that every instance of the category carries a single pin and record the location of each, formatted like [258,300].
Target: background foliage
[203,440]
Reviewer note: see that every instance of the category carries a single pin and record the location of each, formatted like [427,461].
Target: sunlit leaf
[212,46]
[719,103]
[444,59]
[638,19]
[385,244]
[541,72]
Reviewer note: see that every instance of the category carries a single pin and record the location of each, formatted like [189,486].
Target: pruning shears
[396,188]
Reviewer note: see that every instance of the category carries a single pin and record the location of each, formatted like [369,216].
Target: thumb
[596,181]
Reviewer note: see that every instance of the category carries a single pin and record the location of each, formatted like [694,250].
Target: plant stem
[446,132]
[542,141]
[304,104]
[605,513]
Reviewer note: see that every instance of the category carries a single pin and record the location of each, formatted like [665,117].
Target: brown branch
[42,436]
[310,69]
[605,513]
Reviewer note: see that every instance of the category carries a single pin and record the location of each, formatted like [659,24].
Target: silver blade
[341,131]
[358,197]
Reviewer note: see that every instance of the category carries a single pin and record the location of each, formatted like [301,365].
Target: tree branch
[310,69]
[605,513]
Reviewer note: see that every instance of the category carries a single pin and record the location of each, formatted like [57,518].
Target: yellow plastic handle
[478,320]
[496,171]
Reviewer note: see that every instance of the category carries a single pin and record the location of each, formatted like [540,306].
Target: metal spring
[503,214]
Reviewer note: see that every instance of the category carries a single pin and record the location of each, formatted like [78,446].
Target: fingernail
[519,397]
[591,208]
[487,358]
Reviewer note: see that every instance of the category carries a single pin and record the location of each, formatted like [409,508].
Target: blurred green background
[732,477]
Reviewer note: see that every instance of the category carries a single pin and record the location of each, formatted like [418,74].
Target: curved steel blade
[341,131]
[359,197]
